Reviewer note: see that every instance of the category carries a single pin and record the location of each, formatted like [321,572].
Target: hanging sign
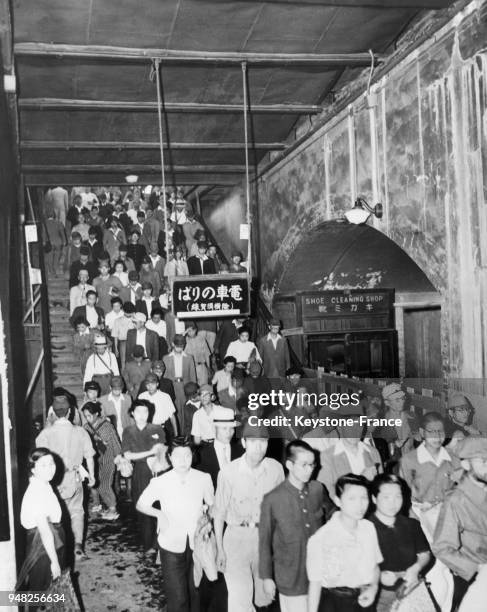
[244,231]
[210,296]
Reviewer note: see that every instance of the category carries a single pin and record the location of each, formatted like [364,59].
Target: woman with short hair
[40,515]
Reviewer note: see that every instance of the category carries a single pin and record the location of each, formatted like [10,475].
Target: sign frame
[199,279]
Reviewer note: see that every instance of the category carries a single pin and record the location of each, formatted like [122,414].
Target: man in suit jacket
[92,313]
[274,351]
[180,369]
[201,263]
[212,458]
[144,337]
[115,405]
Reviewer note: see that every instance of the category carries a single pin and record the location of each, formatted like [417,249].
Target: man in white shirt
[203,428]
[77,294]
[101,365]
[165,410]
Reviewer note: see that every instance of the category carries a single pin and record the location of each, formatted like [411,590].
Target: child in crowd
[343,556]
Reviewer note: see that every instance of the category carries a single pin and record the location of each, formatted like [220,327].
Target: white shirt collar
[424,456]
[341,448]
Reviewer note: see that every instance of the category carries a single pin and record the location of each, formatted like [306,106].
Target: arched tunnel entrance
[355,303]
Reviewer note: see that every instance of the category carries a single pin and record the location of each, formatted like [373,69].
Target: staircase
[65,365]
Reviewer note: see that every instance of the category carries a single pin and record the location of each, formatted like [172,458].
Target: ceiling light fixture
[131,178]
[362,211]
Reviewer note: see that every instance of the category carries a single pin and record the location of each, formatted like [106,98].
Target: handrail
[37,297]
[35,376]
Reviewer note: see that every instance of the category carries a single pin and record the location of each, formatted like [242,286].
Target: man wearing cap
[241,487]
[140,336]
[460,537]
[180,369]
[90,312]
[203,428]
[115,405]
[211,459]
[101,365]
[73,444]
[399,439]
[164,408]
[201,263]
[459,425]
[274,351]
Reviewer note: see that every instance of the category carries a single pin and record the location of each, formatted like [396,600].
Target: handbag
[61,589]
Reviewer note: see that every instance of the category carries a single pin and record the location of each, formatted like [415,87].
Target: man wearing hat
[180,369]
[203,428]
[201,263]
[165,385]
[116,404]
[140,336]
[460,537]
[101,365]
[241,487]
[73,444]
[211,459]
[274,351]
[458,425]
[398,439]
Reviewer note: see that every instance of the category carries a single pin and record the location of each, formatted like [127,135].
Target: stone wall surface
[418,144]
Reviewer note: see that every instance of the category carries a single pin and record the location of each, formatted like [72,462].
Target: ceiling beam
[54,178]
[383,4]
[54,145]
[173,56]
[169,107]
[131,168]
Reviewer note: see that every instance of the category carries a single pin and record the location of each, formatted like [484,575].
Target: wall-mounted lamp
[362,211]
[131,178]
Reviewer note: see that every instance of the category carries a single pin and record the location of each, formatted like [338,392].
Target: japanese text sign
[210,296]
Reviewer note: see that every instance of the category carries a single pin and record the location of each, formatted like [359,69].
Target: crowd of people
[240,516]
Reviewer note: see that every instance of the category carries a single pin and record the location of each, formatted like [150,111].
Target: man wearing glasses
[290,514]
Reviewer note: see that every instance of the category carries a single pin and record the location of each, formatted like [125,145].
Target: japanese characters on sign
[211,296]
[348,310]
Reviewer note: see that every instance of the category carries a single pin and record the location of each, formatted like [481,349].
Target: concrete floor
[115,575]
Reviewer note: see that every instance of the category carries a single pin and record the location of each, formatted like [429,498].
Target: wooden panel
[422,343]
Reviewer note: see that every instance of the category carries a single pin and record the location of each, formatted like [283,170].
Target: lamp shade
[357,215]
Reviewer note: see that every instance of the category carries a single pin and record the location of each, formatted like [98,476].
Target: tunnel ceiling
[340,255]
[88,109]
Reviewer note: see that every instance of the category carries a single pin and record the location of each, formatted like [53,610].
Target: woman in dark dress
[140,441]
[40,515]
[403,546]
